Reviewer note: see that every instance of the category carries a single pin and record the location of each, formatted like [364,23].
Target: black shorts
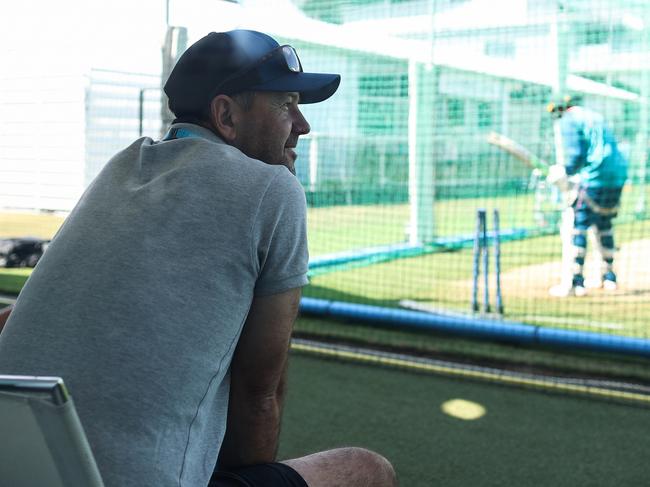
[263,475]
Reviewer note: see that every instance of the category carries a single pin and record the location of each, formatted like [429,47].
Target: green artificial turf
[12,280]
[340,228]
[526,438]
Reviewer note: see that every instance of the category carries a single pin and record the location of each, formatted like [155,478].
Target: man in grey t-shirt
[167,299]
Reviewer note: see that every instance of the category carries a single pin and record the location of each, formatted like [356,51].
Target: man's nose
[300,124]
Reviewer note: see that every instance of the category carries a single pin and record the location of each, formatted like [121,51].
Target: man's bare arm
[4,315]
[258,381]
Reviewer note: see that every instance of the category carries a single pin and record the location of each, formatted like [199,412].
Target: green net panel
[401,156]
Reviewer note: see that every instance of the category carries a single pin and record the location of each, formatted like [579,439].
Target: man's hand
[557,175]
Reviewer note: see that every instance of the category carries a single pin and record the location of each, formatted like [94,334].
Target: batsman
[590,172]
[589,154]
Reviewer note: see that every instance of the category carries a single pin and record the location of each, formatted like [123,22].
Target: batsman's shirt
[590,149]
[140,298]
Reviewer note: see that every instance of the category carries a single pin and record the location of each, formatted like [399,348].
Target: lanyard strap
[179,133]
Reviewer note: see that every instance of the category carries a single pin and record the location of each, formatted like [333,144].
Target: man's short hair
[245,99]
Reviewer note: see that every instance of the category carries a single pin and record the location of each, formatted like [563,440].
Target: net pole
[486,261]
[497,260]
[641,152]
[140,112]
[560,40]
[476,262]
[422,87]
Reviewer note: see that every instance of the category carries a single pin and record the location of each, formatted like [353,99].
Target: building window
[455,112]
[484,114]
[595,34]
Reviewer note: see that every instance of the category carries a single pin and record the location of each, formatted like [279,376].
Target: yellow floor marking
[462,409]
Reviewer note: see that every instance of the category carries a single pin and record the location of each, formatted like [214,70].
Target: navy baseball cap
[240,60]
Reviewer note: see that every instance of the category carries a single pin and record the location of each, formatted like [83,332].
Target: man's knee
[375,465]
[349,466]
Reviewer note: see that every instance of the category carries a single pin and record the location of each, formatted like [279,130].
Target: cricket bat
[518,151]
[567,188]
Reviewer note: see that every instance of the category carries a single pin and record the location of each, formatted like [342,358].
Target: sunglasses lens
[290,56]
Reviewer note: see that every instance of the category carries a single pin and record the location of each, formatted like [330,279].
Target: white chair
[42,442]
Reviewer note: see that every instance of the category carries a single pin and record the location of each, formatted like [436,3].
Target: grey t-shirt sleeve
[280,236]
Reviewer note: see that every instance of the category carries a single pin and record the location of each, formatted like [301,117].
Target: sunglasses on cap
[273,64]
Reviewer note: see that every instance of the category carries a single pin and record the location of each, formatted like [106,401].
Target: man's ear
[224,113]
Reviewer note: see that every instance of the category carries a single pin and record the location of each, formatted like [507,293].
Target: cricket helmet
[558,105]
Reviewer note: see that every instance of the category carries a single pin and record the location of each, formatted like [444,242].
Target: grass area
[13,280]
[339,228]
[526,438]
[335,228]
